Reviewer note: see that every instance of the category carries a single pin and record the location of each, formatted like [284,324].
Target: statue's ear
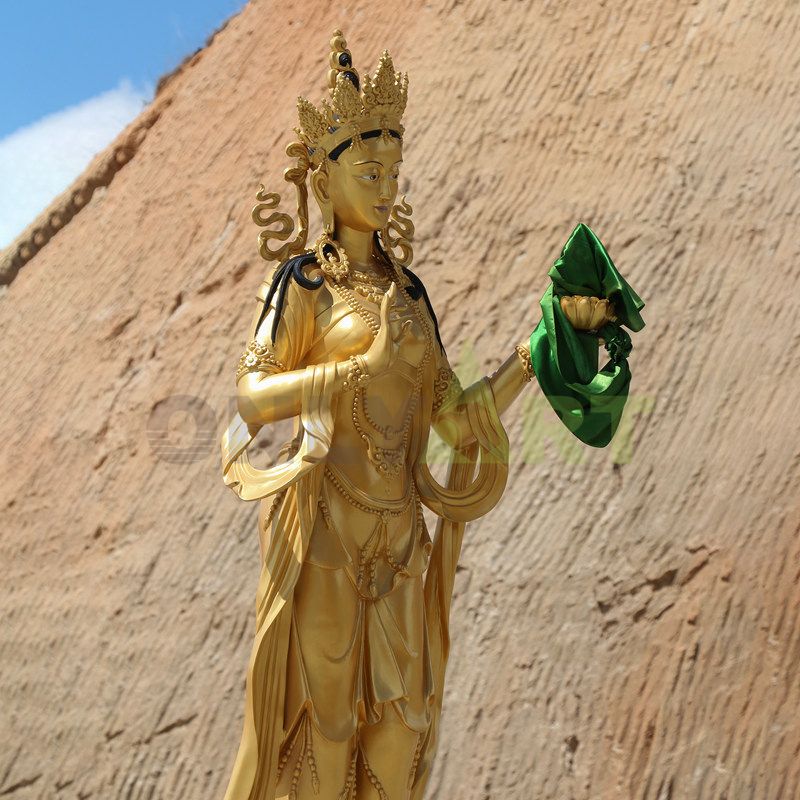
[320,188]
[319,184]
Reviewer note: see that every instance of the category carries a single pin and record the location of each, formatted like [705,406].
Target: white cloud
[40,160]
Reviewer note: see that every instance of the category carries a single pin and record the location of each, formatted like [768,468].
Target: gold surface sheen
[346,677]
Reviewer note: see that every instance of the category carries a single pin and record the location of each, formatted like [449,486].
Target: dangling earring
[335,266]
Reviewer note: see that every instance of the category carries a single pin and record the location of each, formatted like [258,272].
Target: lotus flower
[587,313]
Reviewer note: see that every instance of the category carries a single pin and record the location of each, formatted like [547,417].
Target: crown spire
[341,62]
[352,114]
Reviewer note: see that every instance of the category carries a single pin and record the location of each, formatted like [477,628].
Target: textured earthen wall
[626,622]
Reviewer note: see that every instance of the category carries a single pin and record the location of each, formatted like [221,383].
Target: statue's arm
[450,419]
[269,378]
[263,398]
[509,379]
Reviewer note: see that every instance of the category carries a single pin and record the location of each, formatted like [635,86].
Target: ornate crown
[352,112]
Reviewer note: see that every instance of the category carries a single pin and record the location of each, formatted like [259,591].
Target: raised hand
[384,349]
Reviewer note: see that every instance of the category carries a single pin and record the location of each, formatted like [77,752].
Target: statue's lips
[381,208]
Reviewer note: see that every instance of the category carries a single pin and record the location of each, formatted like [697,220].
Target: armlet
[258,358]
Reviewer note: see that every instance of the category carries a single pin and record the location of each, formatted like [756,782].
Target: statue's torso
[358,618]
[373,427]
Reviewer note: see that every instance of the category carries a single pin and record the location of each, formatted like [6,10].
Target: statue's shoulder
[295,284]
[301,270]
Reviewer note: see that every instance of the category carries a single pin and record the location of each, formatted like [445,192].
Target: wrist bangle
[357,375]
[524,354]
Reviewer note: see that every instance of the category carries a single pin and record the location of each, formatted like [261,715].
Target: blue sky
[74,74]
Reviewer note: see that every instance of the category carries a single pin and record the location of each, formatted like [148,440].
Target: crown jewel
[352,111]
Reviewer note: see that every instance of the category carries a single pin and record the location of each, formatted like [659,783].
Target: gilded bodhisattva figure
[346,676]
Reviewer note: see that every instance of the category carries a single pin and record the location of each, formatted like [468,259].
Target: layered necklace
[387,446]
[369,285]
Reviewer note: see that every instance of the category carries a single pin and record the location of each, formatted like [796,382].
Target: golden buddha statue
[345,681]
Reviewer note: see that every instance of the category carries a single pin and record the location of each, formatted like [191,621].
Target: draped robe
[290,494]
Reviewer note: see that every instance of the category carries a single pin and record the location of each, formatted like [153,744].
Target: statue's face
[362,184]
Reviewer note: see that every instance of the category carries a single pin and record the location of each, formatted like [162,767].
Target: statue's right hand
[383,351]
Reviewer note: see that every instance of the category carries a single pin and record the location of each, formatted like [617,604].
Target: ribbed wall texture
[627,621]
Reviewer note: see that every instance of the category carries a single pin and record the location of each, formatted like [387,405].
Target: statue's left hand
[587,313]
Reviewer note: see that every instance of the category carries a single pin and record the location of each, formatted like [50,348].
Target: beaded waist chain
[366,502]
[377,545]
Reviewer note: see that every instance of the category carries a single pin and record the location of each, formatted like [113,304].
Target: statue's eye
[394,176]
[372,176]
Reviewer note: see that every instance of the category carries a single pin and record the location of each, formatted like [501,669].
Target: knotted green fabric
[587,400]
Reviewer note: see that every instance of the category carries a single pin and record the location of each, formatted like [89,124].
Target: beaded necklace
[385,454]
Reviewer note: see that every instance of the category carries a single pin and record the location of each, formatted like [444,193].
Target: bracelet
[357,375]
[524,354]
[446,388]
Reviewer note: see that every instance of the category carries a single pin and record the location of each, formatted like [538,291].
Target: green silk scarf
[588,400]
